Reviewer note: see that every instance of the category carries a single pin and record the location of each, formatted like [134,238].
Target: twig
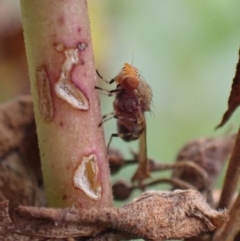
[232,176]
[157,166]
[122,189]
[232,227]
[183,164]
[174,181]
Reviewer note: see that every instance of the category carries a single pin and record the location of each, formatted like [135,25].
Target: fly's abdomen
[130,132]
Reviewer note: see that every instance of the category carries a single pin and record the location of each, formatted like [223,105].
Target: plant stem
[66,105]
[232,176]
[229,231]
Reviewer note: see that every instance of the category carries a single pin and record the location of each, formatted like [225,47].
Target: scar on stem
[86,177]
[64,88]
[44,94]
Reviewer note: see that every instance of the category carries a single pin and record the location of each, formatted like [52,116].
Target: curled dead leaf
[20,171]
[234,98]
[8,231]
[153,216]
[207,153]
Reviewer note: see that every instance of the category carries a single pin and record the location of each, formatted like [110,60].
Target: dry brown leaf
[209,154]
[234,98]
[8,231]
[153,216]
[112,235]
[16,117]
[20,164]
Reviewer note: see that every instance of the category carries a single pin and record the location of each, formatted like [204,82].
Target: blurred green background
[186,50]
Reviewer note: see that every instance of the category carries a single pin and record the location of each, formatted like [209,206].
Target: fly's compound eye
[129,83]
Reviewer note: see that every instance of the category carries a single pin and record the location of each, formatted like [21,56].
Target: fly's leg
[122,135]
[109,92]
[100,76]
[142,171]
[110,140]
[107,117]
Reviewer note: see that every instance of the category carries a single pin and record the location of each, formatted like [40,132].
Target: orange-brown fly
[133,98]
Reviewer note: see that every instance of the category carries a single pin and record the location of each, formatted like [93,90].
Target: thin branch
[232,227]
[232,177]
[173,181]
[183,164]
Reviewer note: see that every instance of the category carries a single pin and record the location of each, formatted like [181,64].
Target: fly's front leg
[100,76]
[109,92]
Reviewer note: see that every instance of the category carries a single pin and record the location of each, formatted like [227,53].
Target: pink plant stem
[66,105]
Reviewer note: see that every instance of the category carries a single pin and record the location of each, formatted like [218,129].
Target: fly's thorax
[130,70]
[132,103]
[126,102]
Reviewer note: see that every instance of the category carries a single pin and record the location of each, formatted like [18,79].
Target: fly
[133,97]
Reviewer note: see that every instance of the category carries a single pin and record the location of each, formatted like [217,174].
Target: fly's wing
[142,171]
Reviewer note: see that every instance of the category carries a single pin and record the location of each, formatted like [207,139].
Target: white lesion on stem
[85,177]
[64,88]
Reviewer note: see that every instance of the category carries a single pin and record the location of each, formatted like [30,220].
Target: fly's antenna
[132,58]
